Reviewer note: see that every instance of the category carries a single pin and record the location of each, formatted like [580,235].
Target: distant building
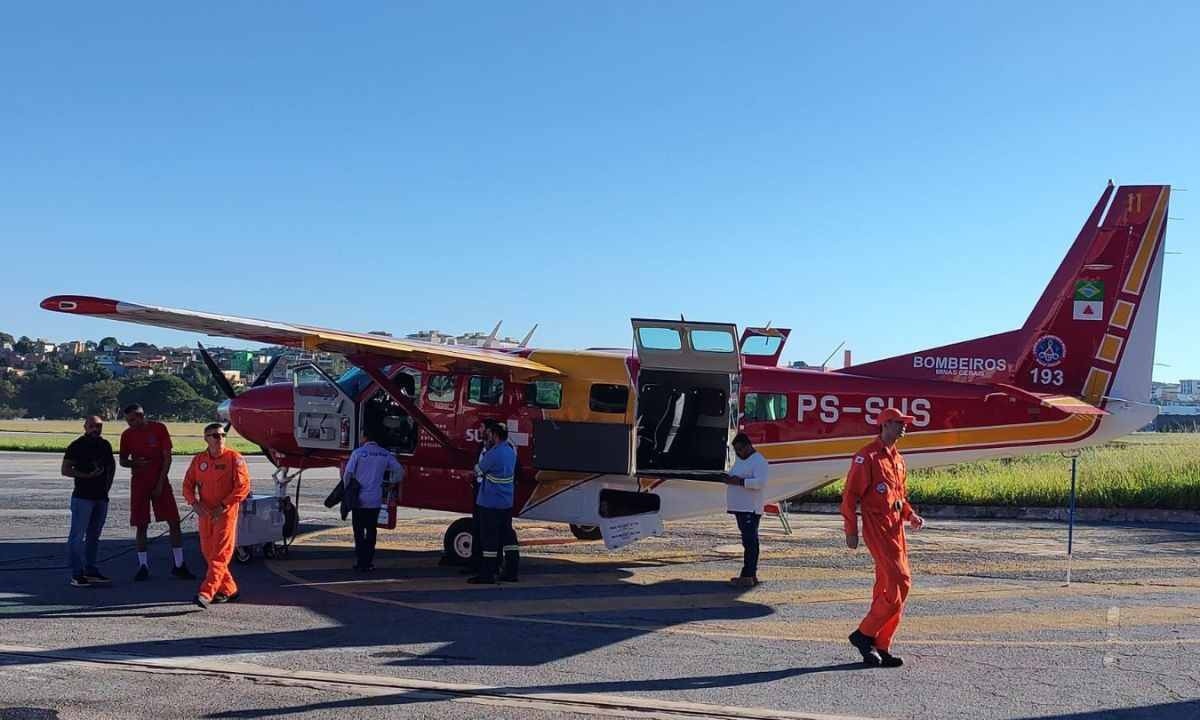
[1189,387]
[432,336]
[242,361]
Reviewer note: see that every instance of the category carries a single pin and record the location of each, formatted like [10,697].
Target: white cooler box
[263,520]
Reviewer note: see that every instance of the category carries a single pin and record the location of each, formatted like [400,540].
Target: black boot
[508,571]
[865,645]
[889,660]
[487,573]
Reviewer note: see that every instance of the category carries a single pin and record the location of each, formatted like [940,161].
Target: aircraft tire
[242,554]
[586,532]
[456,545]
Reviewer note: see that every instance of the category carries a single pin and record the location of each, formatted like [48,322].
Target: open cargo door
[687,389]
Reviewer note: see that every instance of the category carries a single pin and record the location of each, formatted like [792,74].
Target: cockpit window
[354,381]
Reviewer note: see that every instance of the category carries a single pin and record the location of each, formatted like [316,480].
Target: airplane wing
[303,337]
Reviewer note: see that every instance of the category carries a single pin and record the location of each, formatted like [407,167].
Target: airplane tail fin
[1092,332]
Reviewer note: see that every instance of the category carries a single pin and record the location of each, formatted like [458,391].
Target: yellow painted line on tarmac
[825,632]
[626,707]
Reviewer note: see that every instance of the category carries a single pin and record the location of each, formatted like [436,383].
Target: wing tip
[80,305]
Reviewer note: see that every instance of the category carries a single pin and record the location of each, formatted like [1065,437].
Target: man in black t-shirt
[89,460]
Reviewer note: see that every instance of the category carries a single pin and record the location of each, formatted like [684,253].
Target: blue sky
[896,177]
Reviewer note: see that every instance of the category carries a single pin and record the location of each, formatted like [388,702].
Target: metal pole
[1071,519]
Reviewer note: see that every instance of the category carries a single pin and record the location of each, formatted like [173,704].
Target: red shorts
[165,509]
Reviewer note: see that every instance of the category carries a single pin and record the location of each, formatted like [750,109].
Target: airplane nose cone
[223,410]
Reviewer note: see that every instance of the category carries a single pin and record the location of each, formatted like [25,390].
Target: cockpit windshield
[354,381]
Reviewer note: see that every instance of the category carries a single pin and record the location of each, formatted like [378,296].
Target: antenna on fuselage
[528,336]
[492,338]
[825,365]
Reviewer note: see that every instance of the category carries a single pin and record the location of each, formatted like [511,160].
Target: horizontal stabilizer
[1063,403]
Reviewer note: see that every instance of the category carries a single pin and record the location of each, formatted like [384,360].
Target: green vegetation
[1145,470]
[55,435]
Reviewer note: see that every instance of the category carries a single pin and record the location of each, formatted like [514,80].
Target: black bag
[335,495]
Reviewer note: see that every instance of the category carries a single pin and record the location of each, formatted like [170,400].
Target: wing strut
[410,407]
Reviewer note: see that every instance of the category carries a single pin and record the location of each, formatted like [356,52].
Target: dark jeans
[83,540]
[748,525]
[364,521]
[494,525]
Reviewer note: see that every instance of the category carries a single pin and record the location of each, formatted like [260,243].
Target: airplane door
[324,416]
[687,396]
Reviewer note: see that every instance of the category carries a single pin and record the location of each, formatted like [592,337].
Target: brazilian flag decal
[1089,290]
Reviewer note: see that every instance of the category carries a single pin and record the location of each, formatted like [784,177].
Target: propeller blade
[266,373]
[218,376]
[267,454]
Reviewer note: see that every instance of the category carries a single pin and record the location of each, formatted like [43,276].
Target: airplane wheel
[268,550]
[242,554]
[458,540]
[586,532]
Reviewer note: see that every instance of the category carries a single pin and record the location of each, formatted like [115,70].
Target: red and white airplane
[603,435]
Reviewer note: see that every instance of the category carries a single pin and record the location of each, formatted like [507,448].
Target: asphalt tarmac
[650,631]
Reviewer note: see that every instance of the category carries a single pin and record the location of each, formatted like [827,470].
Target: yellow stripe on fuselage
[1065,430]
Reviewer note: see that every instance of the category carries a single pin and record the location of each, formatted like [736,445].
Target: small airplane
[609,440]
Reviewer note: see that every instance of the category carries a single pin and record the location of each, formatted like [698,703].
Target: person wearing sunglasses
[215,485]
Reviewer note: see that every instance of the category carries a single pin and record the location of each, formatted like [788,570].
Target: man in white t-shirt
[744,499]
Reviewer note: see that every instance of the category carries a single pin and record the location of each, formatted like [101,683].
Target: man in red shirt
[215,485]
[878,481]
[146,450]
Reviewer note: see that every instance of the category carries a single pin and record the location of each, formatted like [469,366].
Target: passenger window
[764,345]
[718,341]
[485,390]
[441,389]
[763,407]
[545,394]
[609,398]
[657,338]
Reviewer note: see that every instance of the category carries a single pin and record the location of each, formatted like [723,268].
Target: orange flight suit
[223,480]
[878,481]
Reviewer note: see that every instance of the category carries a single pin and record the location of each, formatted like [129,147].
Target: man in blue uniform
[372,466]
[494,500]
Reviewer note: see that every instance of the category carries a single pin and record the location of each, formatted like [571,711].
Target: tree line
[58,389]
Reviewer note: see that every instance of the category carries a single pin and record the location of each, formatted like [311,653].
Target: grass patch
[1145,470]
[55,435]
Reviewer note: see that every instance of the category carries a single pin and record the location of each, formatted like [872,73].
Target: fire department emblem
[1049,350]
[203,466]
[881,488]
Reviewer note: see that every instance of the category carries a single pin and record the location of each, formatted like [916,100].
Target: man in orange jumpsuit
[215,485]
[878,482]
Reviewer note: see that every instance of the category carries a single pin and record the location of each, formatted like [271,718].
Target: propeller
[227,387]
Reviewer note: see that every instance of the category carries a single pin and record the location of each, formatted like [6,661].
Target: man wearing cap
[878,483]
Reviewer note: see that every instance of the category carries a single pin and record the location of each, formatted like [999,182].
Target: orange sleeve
[189,483]
[906,511]
[241,483]
[856,484]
